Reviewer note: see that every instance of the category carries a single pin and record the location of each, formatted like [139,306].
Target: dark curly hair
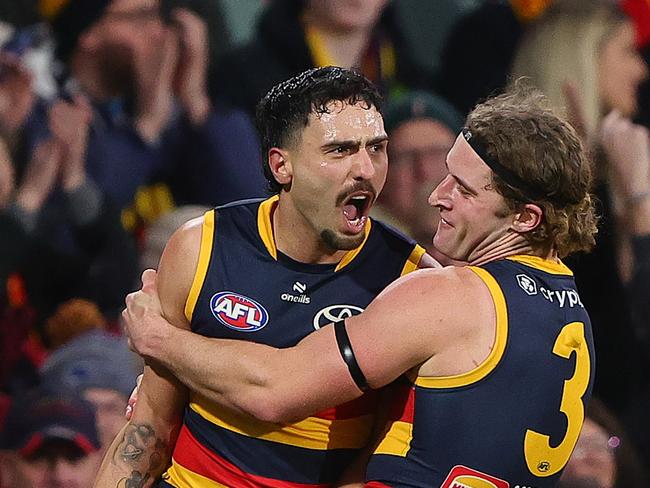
[284,111]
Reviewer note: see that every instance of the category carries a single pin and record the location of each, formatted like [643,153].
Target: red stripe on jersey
[192,455]
[403,403]
[375,484]
[363,405]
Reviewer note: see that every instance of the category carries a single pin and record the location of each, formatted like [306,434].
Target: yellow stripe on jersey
[311,433]
[181,477]
[207,236]
[500,340]
[397,441]
[265,224]
[556,268]
[413,260]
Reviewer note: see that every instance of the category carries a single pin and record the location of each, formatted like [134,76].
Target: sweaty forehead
[342,118]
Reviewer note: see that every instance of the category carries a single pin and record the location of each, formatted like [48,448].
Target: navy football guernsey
[515,419]
[245,289]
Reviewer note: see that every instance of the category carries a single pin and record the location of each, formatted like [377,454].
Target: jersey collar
[265,229]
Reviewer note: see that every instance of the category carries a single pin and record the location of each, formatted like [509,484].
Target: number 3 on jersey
[542,459]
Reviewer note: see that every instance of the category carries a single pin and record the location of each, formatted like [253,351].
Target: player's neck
[297,239]
[510,244]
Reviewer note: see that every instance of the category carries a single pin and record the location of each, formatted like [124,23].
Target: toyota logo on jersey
[334,313]
[238,312]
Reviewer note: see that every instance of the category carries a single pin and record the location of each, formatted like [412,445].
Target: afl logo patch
[238,312]
[334,313]
[463,477]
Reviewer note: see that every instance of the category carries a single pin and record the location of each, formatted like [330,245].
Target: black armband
[345,348]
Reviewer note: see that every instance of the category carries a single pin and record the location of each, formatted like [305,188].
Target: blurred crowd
[122,119]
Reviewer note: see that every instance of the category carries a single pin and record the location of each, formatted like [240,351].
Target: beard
[341,242]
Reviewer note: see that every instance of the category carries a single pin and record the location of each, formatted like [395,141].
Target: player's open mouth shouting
[356,207]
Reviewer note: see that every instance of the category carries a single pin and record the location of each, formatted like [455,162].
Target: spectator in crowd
[100,367]
[603,456]
[145,77]
[49,441]
[61,234]
[294,35]
[478,51]
[583,57]
[422,128]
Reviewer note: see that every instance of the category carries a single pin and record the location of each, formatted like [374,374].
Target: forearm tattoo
[143,452]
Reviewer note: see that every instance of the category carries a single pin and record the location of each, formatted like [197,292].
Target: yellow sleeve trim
[552,267]
[265,225]
[414,260]
[207,236]
[500,341]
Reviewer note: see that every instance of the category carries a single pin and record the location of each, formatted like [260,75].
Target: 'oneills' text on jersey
[514,420]
[245,289]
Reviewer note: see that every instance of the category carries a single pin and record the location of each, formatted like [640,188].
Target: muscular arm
[142,450]
[286,384]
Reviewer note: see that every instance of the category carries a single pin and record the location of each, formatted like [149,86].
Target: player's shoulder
[192,229]
[187,239]
[449,285]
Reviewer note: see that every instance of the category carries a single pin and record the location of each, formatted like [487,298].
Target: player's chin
[443,244]
[342,241]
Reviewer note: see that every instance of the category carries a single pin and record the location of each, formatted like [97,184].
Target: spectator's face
[472,214]
[128,24]
[337,169]
[346,15]
[130,13]
[593,458]
[417,152]
[58,465]
[620,71]
[110,406]
[129,30]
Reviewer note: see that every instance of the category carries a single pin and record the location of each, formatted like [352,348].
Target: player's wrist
[158,344]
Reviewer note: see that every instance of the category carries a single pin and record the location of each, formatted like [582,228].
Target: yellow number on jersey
[542,459]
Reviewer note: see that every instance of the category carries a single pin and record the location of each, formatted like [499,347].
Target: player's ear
[280,165]
[528,218]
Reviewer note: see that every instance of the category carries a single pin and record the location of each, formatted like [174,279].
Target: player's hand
[627,147]
[144,324]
